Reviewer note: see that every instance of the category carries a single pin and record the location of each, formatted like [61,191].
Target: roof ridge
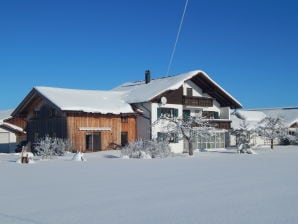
[273,108]
[141,82]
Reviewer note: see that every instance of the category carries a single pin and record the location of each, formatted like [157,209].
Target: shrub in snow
[148,149]
[48,147]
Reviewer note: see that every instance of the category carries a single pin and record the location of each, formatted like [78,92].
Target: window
[198,113]
[186,113]
[189,92]
[215,141]
[53,113]
[171,137]
[36,114]
[124,138]
[124,119]
[211,114]
[167,112]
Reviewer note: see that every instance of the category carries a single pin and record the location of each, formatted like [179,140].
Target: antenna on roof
[177,38]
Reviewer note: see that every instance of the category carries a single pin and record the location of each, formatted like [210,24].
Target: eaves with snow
[139,92]
[119,99]
[89,101]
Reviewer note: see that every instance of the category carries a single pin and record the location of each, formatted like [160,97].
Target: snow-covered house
[10,132]
[93,120]
[252,117]
[193,93]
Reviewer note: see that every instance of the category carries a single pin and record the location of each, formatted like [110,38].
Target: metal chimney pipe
[147,76]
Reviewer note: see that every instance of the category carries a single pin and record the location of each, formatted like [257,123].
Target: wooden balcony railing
[197,101]
[221,124]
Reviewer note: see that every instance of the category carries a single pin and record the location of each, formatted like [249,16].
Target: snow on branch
[188,128]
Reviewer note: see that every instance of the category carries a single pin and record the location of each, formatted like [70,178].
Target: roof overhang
[12,128]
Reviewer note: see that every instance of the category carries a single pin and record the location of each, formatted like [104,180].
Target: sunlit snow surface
[210,187]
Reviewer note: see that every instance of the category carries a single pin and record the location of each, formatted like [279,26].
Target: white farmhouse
[189,94]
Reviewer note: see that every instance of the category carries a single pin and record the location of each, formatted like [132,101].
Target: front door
[124,138]
[93,141]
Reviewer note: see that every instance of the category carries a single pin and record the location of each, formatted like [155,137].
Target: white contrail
[177,38]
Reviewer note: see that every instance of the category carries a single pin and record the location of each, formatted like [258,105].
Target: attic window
[189,92]
[36,114]
[53,113]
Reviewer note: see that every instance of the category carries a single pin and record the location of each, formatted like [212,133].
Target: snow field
[210,187]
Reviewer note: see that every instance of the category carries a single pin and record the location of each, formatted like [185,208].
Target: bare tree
[271,128]
[189,128]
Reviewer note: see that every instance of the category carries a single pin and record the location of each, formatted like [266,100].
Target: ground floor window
[217,140]
[171,137]
[93,141]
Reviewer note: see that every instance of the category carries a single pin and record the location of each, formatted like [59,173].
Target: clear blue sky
[250,47]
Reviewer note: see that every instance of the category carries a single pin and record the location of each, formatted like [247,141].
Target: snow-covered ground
[211,187]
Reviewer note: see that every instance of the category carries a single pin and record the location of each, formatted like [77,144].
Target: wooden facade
[86,131]
[95,132]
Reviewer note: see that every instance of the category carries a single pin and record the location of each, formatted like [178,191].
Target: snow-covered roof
[288,115]
[252,118]
[11,127]
[5,114]
[118,100]
[137,92]
[90,101]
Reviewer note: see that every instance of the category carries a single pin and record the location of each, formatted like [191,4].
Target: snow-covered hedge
[48,147]
[146,149]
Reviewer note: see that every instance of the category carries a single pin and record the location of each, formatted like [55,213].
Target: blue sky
[249,47]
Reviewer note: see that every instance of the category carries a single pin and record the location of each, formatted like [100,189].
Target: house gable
[139,92]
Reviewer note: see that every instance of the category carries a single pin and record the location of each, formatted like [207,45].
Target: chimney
[147,76]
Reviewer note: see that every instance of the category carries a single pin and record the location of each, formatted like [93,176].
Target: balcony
[197,101]
[220,124]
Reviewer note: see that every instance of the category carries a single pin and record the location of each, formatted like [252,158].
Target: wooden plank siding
[77,120]
[130,127]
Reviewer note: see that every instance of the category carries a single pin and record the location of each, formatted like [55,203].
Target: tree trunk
[271,143]
[190,149]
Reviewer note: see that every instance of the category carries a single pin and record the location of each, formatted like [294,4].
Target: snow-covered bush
[146,149]
[79,156]
[48,147]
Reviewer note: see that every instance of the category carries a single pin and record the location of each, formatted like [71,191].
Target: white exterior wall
[7,141]
[175,147]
